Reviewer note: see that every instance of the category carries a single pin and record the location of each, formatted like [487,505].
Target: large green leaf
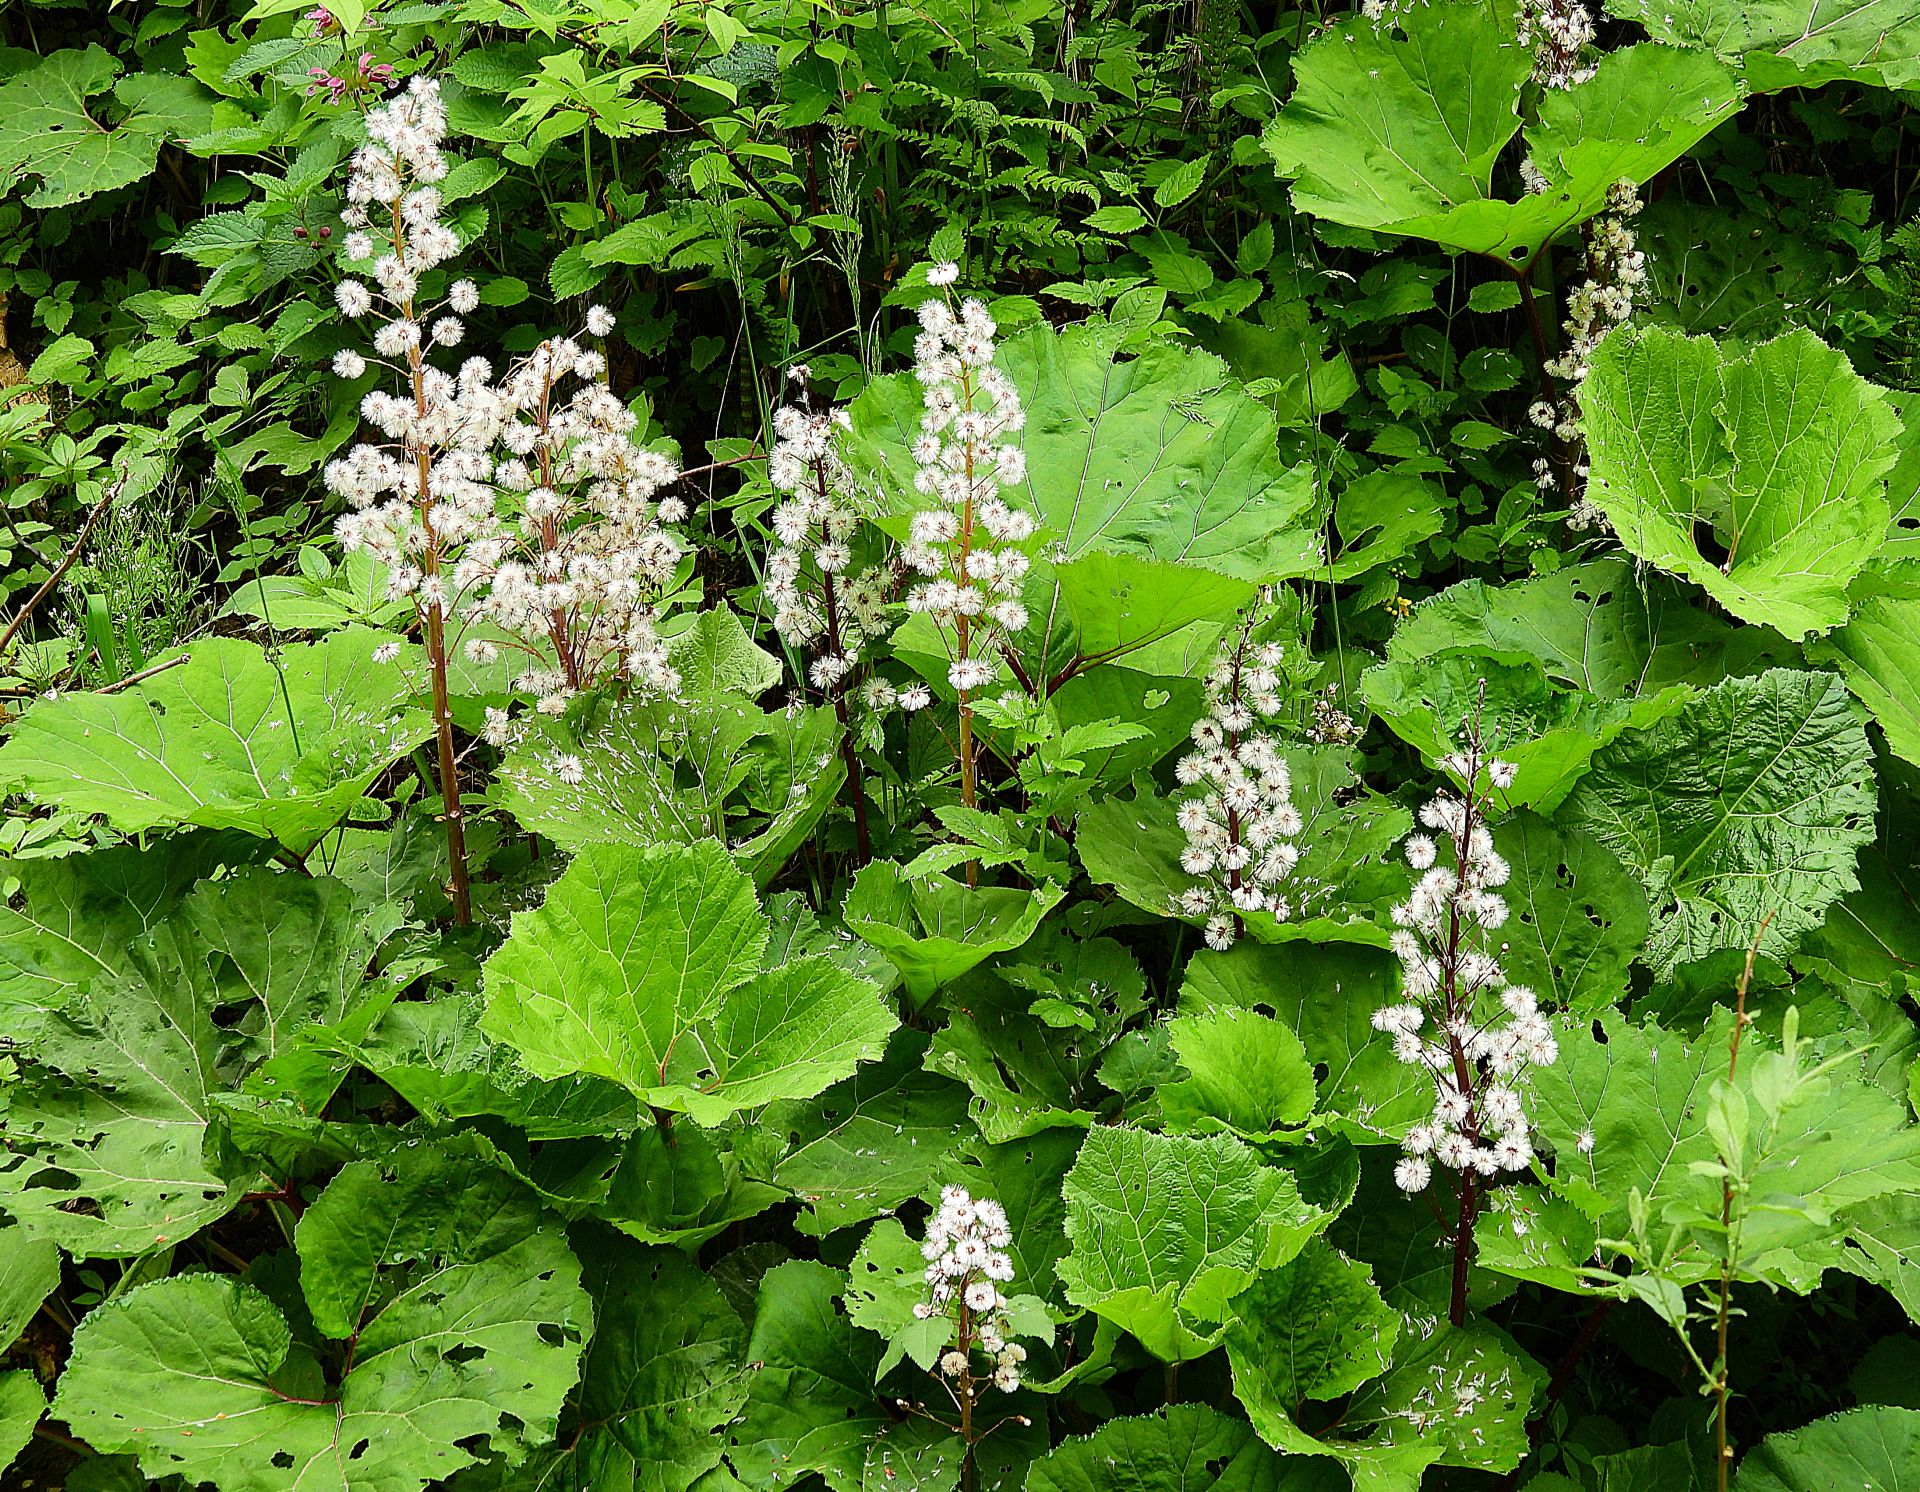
[1528,1233]
[1716,267]
[1025,1075]
[434,1055]
[1839,1143]
[1873,936]
[812,1405]
[1602,628]
[22,1402]
[1776,456]
[468,1321]
[1388,132]
[106,1123]
[1883,1238]
[49,130]
[1121,603]
[1328,994]
[29,1273]
[936,929]
[1548,733]
[1751,805]
[717,655]
[1184,1448]
[644,966]
[1382,516]
[1638,1090]
[281,746]
[121,1070]
[1455,1396]
[629,949]
[1400,133]
[1315,1328]
[1878,652]
[790,1032]
[683,1186]
[1166,1231]
[711,765]
[871,1141]
[1872,1449]
[666,1369]
[80,914]
[1158,454]
[293,950]
[1577,918]
[1244,1072]
[1782,44]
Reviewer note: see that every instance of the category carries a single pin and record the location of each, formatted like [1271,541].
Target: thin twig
[145,673]
[1562,1376]
[72,556]
[1722,1375]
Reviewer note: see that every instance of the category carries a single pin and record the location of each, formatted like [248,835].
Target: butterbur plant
[522,502]
[967,1263]
[966,542]
[576,544]
[1240,822]
[822,606]
[415,494]
[765,864]
[1560,33]
[1616,274]
[1475,1033]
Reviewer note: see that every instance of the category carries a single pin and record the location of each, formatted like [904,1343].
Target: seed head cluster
[967,1264]
[819,602]
[523,500]
[1616,276]
[1475,1033]
[1241,822]
[1559,31]
[966,542]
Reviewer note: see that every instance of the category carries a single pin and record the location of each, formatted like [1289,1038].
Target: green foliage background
[302,1186]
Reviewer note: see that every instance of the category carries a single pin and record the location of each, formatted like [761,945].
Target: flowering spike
[1240,826]
[818,603]
[1474,1032]
[525,502]
[965,1250]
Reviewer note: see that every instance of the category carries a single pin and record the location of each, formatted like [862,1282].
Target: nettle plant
[1055,912]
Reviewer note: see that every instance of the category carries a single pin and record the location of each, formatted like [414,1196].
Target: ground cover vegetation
[993,744]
